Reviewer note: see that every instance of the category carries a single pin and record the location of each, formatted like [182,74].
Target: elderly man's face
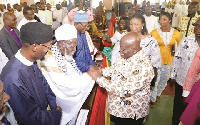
[3,99]
[128,49]
[68,48]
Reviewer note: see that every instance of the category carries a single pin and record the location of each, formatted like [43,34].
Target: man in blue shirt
[82,56]
[29,91]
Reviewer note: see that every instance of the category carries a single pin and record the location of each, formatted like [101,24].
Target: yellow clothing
[174,36]
[184,23]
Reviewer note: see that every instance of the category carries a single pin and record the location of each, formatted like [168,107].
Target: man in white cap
[69,84]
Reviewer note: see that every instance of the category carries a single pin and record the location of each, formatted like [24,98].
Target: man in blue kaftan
[82,56]
[29,91]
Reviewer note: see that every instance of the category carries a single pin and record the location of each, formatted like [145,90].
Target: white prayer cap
[65,32]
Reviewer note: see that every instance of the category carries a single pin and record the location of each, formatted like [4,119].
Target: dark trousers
[127,121]
[179,105]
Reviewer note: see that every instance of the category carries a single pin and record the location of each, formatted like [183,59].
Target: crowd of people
[48,63]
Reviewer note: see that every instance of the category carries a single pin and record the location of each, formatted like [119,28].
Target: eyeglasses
[48,47]
[125,50]
[66,42]
[84,26]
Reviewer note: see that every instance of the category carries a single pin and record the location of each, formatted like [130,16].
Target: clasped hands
[94,72]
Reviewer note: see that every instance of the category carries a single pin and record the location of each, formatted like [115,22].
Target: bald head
[10,20]
[129,45]
[131,38]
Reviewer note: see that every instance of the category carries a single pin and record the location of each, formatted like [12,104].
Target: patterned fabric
[70,86]
[184,23]
[129,87]
[193,72]
[116,40]
[61,62]
[93,49]
[151,48]
[183,58]
[155,88]
[166,42]
[164,77]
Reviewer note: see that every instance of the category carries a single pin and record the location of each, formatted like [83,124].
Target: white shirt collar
[25,61]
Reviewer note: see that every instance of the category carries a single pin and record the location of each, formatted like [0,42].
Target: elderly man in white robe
[70,86]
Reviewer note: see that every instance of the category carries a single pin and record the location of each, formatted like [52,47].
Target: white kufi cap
[65,32]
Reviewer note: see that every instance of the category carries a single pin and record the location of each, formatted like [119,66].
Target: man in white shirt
[69,84]
[28,17]
[177,14]
[164,5]
[45,16]
[42,14]
[151,20]
[64,8]
[18,13]
[182,59]
[184,9]
[49,15]
[58,16]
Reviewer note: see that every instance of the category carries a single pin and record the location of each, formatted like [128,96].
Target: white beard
[69,58]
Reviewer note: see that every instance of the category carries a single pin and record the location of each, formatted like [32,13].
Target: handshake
[95,72]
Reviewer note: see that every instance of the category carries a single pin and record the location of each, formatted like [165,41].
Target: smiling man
[29,91]
[82,56]
[129,87]
[9,35]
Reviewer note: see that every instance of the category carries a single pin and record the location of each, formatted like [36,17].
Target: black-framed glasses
[48,47]
[84,26]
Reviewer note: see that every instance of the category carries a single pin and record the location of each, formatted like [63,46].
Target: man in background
[28,17]
[185,26]
[151,20]
[9,35]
